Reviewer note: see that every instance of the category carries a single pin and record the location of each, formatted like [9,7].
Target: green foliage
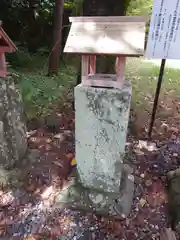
[41,94]
[77,7]
[140,7]
[30,22]
[22,60]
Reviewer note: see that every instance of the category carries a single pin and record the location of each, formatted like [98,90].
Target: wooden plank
[120,68]
[4,49]
[125,38]
[2,61]
[84,68]
[102,76]
[92,64]
[103,83]
[110,19]
[3,73]
[102,80]
[3,69]
[105,54]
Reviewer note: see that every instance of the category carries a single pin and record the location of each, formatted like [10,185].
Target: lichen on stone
[13,144]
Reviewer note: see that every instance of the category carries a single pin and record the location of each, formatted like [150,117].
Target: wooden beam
[4,49]
[84,68]
[102,54]
[102,83]
[110,19]
[102,80]
[92,64]
[3,73]
[120,68]
[3,67]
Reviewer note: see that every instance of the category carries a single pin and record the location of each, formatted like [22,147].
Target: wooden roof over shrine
[6,44]
[123,35]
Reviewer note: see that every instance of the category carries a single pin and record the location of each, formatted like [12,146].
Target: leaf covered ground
[28,210]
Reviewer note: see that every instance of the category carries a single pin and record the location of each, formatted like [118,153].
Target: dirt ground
[28,210]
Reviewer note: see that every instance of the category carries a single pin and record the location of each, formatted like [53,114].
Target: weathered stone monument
[13,141]
[102,104]
[13,136]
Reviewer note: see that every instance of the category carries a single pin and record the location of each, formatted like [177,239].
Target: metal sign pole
[156,98]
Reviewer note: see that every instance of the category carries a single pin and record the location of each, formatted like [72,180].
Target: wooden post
[85,68]
[120,68]
[92,64]
[3,69]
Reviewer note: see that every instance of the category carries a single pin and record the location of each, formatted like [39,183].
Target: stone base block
[114,204]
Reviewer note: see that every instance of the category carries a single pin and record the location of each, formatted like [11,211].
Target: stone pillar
[13,140]
[101,125]
[102,116]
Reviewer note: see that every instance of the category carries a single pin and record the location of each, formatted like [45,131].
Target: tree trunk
[105,8]
[32,38]
[57,35]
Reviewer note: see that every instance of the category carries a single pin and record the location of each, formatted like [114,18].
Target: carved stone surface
[102,116]
[13,141]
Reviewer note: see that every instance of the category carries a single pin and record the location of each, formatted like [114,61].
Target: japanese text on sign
[164,33]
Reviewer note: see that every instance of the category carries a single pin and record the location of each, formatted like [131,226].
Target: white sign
[164,34]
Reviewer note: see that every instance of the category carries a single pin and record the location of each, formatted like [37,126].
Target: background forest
[39,29]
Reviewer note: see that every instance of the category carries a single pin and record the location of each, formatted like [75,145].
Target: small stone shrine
[102,104]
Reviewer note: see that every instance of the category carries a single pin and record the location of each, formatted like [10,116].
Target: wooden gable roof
[123,35]
[5,42]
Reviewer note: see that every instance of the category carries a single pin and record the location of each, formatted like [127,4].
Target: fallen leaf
[148,183]
[142,175]
[48,191]
[29,238]
[174,129]
[157,199]
[142,202]
[58,163]
[69,155]
[73,162]
[175,154]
